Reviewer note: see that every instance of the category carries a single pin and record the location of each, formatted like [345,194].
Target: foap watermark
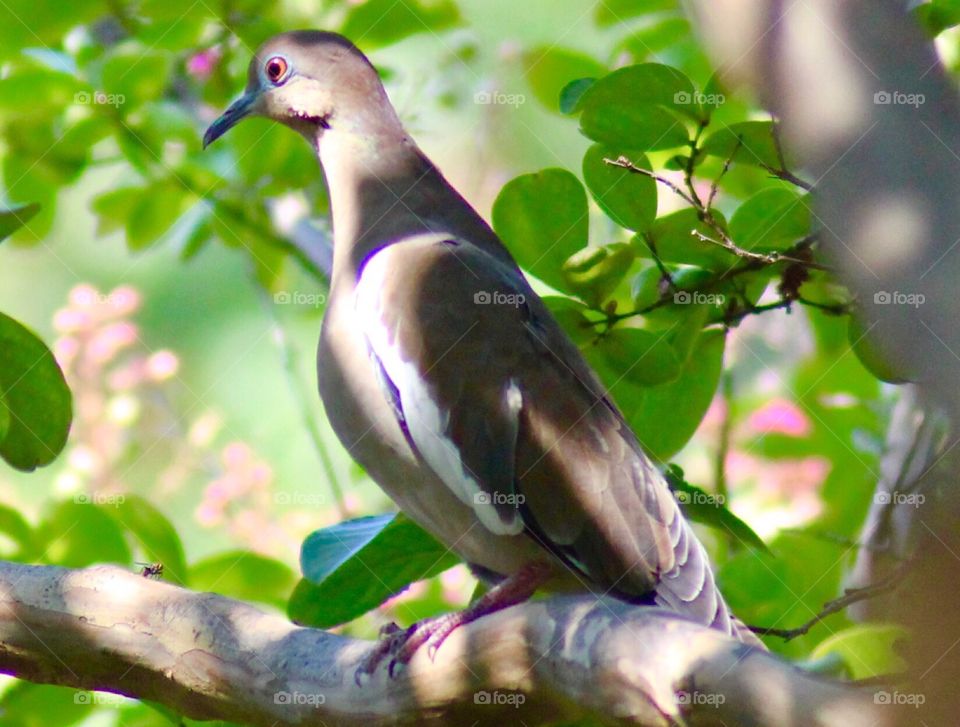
[495,297]
[900,698]
[311,499]
[884,297]
[686,497]
[709,699]
[309,699]
[899,98]
[99,699]
[498,98]
[914,499]
[685,98]
[298,297]
[499,498]
[99,98]
[99,498]
[496,697]
[697,297]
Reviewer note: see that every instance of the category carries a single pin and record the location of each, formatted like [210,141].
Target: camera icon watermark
[913,499]
[99,98]
[697,297]
[300,499]
[499,498]
[497,98]
[884,297]
[495,297]
[99,498]
[513,699]
[709,699]
[914,699]
[686,497]
[298,297]
[898,98]
[99,699]
[299,699]
[685,98]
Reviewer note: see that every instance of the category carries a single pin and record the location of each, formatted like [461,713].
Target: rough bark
[207,656]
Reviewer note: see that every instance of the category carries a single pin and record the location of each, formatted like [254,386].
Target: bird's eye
[276,69]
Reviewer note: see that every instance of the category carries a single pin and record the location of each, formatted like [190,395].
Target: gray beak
[238,110]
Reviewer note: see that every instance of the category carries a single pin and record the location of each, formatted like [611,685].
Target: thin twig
[849,597]
[766,258]
[726,167]
[625,163]
[783,173]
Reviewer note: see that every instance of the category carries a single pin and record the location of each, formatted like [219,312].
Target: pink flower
[780,416]
[162,365]
[201,65]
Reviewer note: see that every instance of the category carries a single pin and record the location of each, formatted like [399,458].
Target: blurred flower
[780,416]
[200,65]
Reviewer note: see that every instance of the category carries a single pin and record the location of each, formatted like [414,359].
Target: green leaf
[938,15]
[772,220]
[634,355]
[134,77]
[79,533]
[114,207]
[643,85]
[633,126]
[702,507]
[571,94]
[155,212]
[37,92]
[665,417]
[628,198]
[4,417]
[244,575]
[612,12]
[654,38]
[377,23]
[594,272]
[550,69]
[672,237]
[748,142]
[36,395]
[634,108]
[868,650]
[26,704]
[571,315]
[156,535]
[355,566]
[15,527]
[13,219]
[542,218]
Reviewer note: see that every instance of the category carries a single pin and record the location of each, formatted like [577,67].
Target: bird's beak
[239,109]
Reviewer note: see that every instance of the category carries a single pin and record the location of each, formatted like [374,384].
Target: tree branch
[209,657]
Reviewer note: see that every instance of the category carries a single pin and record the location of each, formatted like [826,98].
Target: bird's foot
[401,644]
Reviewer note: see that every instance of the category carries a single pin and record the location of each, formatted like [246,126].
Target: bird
[445,376]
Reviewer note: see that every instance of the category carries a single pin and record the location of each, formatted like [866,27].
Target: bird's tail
[689,587]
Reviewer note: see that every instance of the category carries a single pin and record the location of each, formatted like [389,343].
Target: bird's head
[309,80]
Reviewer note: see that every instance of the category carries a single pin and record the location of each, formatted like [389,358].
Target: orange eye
[276,69]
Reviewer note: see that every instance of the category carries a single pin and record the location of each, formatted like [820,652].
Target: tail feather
[689,588]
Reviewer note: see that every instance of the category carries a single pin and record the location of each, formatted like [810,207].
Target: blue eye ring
[276,69]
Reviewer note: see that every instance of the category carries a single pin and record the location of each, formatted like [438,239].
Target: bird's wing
[503,408]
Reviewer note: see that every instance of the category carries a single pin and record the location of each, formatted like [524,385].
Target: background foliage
[180,292]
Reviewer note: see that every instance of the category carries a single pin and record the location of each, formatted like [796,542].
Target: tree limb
[210,657]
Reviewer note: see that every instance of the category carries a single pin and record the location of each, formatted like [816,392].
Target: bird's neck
[382,190]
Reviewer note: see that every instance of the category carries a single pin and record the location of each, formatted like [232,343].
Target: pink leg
[402,644]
